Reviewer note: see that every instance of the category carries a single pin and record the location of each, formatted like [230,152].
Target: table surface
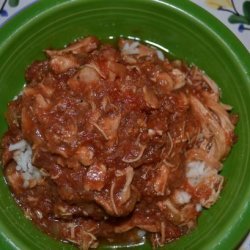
[233,13]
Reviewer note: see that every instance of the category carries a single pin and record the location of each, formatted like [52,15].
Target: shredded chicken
[150,98]
[116,143]
[137,158]
[125,193]
[219,145]
[160,182]
[60,63]
[81,46]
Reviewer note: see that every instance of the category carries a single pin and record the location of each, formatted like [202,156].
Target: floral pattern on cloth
[243,19]
[9,8]
[235,14]
[216,4]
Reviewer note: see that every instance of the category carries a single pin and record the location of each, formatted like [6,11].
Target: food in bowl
[116,143]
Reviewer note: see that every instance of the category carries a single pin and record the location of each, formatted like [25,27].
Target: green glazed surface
[183,29]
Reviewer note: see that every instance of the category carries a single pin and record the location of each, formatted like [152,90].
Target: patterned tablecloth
[235,14]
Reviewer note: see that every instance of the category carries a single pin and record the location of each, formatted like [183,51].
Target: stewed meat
[114,143]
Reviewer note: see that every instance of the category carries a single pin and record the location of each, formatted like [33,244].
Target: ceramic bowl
[186,32]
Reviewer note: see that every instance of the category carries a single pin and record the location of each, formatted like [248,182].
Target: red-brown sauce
[117,134]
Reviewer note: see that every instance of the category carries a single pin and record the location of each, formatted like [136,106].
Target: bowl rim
[240,53]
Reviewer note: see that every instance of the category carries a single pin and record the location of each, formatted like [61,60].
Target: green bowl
[186,32]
